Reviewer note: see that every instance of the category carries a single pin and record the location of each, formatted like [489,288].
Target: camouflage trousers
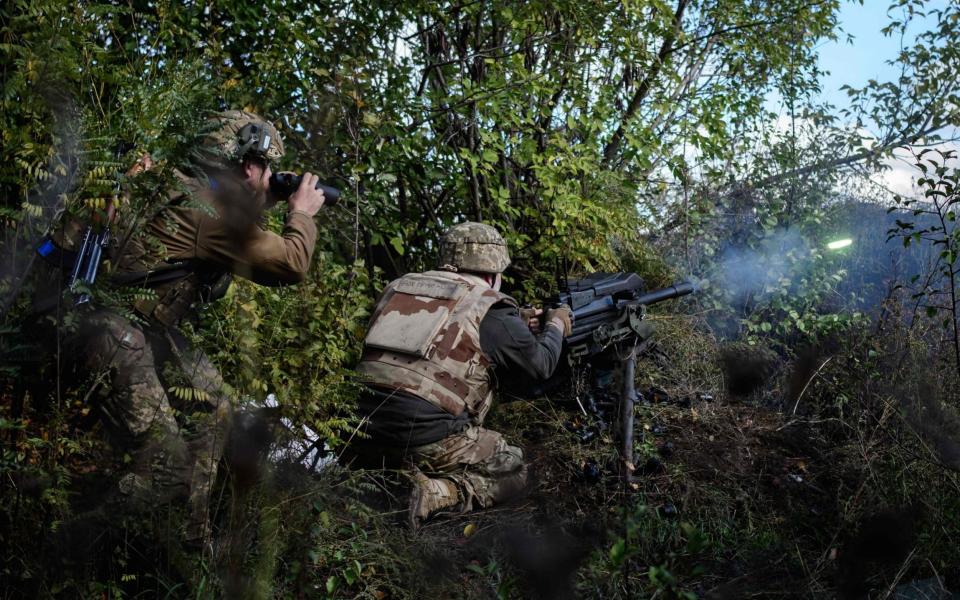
[484,467]
[163,405]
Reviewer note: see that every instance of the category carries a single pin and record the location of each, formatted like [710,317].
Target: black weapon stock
[609,311]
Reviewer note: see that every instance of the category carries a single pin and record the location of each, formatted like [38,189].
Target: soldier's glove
[561,317]
[531,318]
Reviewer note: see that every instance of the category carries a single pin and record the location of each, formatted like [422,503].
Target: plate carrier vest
[424,339]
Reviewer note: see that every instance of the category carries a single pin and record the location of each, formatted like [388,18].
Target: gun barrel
[674,291]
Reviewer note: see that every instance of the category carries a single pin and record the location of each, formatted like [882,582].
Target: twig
[811,422]
[809,381]
[937,575]
[900,574]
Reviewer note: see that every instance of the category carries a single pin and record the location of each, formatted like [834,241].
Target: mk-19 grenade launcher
[609,311]
[610,307]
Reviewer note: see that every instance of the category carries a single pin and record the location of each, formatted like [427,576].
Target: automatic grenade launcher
[609,311]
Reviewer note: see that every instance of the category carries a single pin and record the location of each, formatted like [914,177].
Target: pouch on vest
[413,316]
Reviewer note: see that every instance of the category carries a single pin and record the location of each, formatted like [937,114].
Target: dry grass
[685,358]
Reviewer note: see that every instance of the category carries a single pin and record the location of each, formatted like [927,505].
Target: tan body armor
[424,338]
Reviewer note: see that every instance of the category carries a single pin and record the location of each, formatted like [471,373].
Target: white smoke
[759,271]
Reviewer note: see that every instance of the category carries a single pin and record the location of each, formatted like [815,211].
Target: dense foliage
[603,135]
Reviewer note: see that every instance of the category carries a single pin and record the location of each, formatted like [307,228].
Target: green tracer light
[837,244]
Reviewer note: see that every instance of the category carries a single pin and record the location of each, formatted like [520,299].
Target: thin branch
[856,157]
[613,146]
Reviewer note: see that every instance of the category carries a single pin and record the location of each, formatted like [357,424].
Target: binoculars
[285,184]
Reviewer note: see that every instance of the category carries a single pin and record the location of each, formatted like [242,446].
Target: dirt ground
[761,488]
[729,501]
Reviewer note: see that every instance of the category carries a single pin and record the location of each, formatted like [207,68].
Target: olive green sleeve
[259,255]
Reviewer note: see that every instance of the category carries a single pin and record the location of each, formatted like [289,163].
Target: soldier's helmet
[474,247]
[237,134]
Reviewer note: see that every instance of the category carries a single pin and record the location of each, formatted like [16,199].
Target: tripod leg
[628,398]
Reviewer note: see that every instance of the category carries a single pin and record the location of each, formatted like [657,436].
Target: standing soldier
[207,230]
[434,341]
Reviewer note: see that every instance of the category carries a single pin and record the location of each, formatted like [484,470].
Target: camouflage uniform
[162,401]
[484,467]
[424,341]
[174,442]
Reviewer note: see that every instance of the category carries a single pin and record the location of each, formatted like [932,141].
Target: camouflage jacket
[424,339]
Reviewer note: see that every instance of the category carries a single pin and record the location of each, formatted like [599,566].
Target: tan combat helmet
[473,247]
[238,134]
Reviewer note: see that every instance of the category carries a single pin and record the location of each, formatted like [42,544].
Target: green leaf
[618,552]
[476,569]
[397,244]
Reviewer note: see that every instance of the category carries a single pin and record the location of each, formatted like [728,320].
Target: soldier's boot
[429,497]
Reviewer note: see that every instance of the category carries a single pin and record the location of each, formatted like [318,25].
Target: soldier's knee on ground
[510,485]
[503,475]
[505,459]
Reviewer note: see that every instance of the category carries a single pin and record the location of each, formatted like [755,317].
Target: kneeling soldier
[434,342]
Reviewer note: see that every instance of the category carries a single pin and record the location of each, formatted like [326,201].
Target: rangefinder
[285,184]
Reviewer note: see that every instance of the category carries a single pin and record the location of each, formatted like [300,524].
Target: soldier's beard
[265,200]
